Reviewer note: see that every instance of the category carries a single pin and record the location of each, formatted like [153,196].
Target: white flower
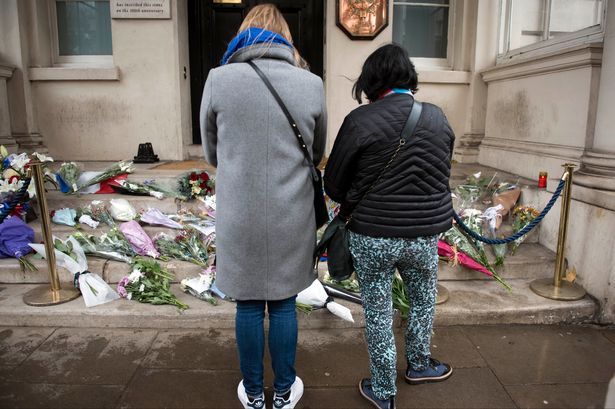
[210,201]
[129,296]
[157,195]
[19,161]
[142,288]
[135,275]
[6,187]
[42,157]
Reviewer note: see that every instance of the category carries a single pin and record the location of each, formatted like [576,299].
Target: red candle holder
[542,180]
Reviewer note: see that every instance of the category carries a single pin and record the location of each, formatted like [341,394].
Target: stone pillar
[6,139]
[14,41]
[482,55]
[598,161]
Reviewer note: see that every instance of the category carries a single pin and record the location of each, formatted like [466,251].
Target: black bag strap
[406,133]
[291,120]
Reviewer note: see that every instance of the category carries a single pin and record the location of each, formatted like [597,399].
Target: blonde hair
[269,17]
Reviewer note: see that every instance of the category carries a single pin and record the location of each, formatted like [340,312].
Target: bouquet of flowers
[461,244]
[122,210]
[149,283]
[64,216]
[13,171]
[115,241]
[315,296]
[98,211]
[401,300]
[186,246]
[136,188]
[201,286]
[71,256]
[156,218]
[138,239]
[522,216]
[196,184]
[68,177]
[15,237]
[350,284]
[92,245]
[116,169]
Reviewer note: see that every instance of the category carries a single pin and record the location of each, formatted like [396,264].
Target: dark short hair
[387,67]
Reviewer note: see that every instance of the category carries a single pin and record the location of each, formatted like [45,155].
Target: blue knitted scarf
[250,37]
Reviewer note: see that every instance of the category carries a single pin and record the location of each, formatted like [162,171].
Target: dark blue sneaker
[435,372]
[365,387]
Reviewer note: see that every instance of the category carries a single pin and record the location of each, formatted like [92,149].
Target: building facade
[527,85]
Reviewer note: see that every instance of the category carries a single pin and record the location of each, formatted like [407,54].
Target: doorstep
[470,303]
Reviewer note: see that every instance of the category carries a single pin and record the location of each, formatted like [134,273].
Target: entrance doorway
[212,25]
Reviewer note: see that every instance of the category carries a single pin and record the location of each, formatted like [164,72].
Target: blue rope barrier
[521,232]
[19,197]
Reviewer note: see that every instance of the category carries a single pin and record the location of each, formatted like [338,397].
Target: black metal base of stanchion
[566,291]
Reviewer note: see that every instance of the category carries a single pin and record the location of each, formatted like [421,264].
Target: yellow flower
[9,173]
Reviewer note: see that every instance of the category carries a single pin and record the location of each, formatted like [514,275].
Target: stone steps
[531,261]
[470,303]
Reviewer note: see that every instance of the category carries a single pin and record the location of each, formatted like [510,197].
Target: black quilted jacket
[412,198]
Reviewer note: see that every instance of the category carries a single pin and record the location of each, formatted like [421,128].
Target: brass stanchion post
[43,295]
[556,288]
[443,295]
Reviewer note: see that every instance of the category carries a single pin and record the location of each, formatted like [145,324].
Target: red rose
[203,185]
[52,213]
[204,176]
[193,177]
[13,178]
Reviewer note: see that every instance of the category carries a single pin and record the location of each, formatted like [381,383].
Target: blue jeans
[250,334]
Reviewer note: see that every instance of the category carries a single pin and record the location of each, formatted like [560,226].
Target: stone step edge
[471,303]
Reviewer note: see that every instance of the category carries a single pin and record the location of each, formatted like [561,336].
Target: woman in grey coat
[265,223]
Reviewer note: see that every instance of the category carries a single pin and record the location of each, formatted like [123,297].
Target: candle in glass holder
[542,180]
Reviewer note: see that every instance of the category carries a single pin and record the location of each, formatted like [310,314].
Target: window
[82,31]
[422,27]
[527,25]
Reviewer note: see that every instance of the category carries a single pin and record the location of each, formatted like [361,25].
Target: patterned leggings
[375,261]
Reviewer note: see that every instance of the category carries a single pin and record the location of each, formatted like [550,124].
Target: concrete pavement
[495,367]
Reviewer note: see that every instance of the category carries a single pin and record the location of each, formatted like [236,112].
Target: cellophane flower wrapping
[92,246]
[122,210]
[316,296]
[149,283]
[172,247]
[65,216]
[118,168]
[98,211]
[88,221]
[202,285]
[68,177]
[139,240]
[155,217]
[70,255]
[522,216]
[15,237]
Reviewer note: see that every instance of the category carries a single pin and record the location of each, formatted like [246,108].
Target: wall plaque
[141,9]
[362,19]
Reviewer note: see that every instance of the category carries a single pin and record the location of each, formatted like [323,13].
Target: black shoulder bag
[334,240]
[320,207]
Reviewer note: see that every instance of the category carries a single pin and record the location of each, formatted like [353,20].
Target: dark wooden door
[212,25]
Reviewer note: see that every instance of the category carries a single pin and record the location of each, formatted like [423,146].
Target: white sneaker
[296,392]
[256,403]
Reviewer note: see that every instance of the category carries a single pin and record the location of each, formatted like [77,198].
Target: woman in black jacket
[395,213]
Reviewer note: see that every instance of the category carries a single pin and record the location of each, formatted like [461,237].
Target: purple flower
[121,287]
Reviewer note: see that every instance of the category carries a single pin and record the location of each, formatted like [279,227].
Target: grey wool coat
[265,227]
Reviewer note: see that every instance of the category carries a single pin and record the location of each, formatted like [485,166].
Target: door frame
[191,149]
